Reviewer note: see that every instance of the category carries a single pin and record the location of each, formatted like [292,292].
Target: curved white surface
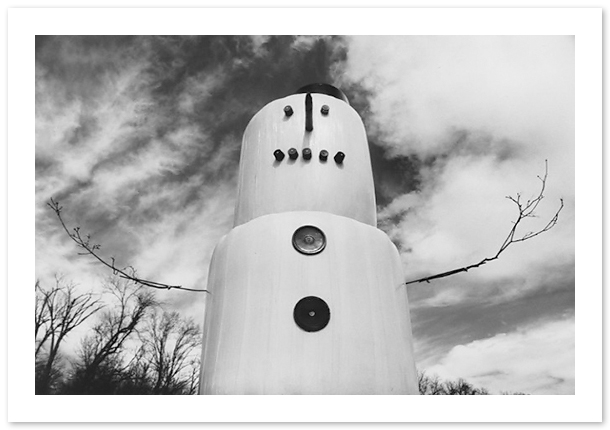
[268,186]
[252,344]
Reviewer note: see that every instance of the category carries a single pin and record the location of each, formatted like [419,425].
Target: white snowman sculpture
[306,294]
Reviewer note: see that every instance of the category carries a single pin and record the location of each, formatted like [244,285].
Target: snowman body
[307,295]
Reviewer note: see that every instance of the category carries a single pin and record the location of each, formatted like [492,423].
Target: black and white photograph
[316,214]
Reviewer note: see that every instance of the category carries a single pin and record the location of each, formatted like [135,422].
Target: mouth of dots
[293,153]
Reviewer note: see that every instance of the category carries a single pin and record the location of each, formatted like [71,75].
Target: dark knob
[307,154]
[324,155]
[325,110]
[311,314]
[293,153]
[339,157]
[288,110]
[278,154]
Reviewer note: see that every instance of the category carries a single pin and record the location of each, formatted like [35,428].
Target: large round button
[311,313]
[309,240]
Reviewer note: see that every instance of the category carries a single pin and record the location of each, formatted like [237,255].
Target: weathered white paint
[267,186]
[252,344]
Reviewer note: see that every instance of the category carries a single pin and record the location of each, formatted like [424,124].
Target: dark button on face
[311,314]
[307,154]
[288,110]
[325,109]
[309,240]
[278,154]
[339,157]
[324,155]
[293,153]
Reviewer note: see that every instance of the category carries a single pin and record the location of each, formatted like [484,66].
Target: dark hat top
[323,89]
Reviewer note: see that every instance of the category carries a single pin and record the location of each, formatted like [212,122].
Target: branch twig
[85,243]
[526,210]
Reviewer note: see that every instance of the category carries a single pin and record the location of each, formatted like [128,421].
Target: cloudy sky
[139,139]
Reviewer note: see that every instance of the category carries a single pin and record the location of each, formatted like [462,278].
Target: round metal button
[309,240]
[311,313]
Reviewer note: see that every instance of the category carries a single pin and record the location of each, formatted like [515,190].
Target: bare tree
[136,376]
[133,348]
[431,385]
[100,357]
[171,343]
[462,388]
[526,210]
[58,311]
[195,374]
[41,315]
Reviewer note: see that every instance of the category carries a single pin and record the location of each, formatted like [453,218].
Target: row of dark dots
[293,154]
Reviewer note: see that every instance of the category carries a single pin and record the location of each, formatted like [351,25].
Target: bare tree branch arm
[526,210]
[90,249]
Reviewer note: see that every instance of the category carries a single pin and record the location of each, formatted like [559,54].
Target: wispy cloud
[518,88]
[477,117]
[139,138]
[536,359]
[472,120]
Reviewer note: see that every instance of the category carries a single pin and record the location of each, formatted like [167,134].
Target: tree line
[133,345]
[432,385]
